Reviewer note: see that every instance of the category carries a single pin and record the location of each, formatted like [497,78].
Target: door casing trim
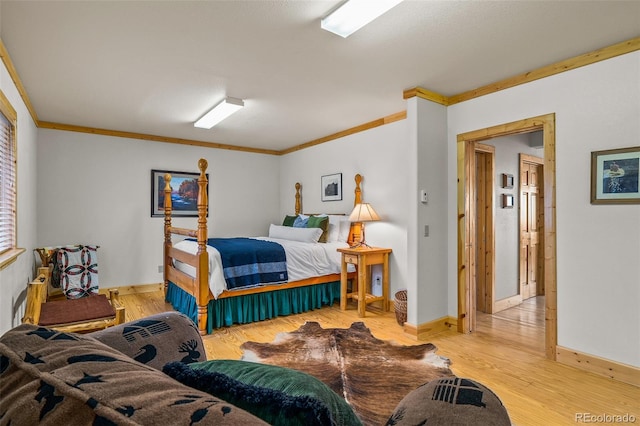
[466,222]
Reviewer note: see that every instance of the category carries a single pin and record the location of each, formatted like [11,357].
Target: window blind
[7,186]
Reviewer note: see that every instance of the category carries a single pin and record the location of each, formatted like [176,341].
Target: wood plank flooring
[506,354]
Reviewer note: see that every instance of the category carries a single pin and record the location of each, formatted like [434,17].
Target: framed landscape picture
[614,176]
[331,187]
[184,193]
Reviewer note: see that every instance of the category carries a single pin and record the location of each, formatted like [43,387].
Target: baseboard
[509,302]
[424,330]
[135,289]
[601,366]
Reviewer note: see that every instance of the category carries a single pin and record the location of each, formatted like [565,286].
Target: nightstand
[363,258]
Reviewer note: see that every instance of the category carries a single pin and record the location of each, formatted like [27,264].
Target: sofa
[155,371]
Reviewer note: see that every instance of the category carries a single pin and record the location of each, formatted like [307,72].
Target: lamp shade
[363,212]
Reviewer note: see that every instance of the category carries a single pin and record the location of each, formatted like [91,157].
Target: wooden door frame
[489,246]
[466,221]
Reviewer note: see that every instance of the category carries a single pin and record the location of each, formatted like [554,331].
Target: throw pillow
[301,221]
[277,395]
[156,339]
[288,220]
[450,401]
[78,271]
[53,378]
[321,222]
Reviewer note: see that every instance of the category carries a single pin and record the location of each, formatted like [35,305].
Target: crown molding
[569,64]
[153,138]
[6,60]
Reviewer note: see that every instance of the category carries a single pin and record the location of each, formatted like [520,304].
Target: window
[8,178]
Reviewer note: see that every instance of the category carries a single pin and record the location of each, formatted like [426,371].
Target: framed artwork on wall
[331,187]
[184,193]
[508,201]
[614,176]
[507,180]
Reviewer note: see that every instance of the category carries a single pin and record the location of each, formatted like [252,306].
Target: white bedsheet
[304,260]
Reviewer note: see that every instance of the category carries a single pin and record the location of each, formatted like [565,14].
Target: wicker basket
[400,306]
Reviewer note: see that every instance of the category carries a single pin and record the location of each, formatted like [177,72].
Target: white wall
[14,278]
[381,155]
[95,189]
[597,107]
[430,297]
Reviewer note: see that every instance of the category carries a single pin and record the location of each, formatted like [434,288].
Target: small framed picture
[184,193]
[507,180]
[331,187]
[614,176]
[507,201]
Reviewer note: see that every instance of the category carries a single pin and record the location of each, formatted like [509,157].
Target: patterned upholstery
[78,267]
[53,378]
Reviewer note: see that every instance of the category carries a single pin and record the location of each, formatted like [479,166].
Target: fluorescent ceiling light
[355,14]
[219,112]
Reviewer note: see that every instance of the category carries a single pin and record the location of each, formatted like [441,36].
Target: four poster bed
[216,283]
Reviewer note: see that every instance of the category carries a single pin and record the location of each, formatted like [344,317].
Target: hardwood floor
[506,354]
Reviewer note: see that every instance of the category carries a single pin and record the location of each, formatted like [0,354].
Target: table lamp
[362,213]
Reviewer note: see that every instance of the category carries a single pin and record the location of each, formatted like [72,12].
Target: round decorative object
[400,306]
[450,401]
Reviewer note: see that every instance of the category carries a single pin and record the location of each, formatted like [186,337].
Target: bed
[199,283]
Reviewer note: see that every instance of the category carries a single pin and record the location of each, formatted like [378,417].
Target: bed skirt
[255,307]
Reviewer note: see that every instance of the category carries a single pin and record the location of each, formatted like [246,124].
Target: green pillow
[321,222]
[288,220]
[277,395]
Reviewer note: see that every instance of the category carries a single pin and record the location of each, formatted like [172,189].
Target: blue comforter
[247,261]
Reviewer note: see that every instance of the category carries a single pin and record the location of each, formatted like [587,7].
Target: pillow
[277,395]
[305,235]
[448,401]
[288,220]
[339,227]
[78,271]
[55,273]
[344,229]
[156,340]
[301,221]
[53,378]
[321,222]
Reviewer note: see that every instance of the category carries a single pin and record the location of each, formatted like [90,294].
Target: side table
[362,258]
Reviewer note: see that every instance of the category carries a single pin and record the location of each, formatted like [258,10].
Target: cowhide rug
[372,375]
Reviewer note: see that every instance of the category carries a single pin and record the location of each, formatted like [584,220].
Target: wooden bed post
[356,228]
[202,274]
[298,203]
[167,228]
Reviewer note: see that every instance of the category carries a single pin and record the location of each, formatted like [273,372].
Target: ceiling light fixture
[219,112]
[355,14]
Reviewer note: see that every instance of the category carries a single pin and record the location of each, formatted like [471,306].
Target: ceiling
[154,67]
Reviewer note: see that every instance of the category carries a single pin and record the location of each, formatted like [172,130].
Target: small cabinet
[363,258]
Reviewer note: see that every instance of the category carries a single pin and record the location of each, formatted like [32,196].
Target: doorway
[467,221]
